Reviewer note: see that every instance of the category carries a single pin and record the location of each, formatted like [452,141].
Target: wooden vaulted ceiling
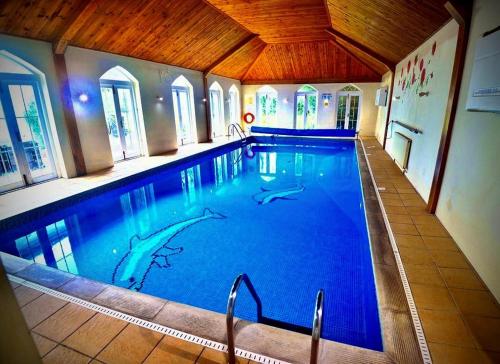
[298,40]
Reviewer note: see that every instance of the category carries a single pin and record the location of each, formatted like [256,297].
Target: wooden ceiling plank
[337,44]
[254,62]
[74,25]
[229,53]
[336,34]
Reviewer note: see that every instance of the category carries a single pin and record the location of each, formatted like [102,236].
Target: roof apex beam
[74,25]
[229,53]
[336,34]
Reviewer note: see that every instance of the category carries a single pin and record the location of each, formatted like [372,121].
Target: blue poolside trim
[342,133]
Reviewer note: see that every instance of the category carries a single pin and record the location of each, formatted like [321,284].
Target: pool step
[285,325]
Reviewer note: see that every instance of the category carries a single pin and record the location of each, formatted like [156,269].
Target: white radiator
[401,147]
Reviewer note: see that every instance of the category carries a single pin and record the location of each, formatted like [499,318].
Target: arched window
[217,109]
[348,107]
[234,105]
[306,107]
[26,154]
[118,92]
[185,120]
[267,103]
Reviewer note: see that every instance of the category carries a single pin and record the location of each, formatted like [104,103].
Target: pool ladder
[317,321]
[232,127]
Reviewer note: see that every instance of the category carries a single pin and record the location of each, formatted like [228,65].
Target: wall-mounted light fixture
[83,97]
[285,100]
[159,98]
[204,100]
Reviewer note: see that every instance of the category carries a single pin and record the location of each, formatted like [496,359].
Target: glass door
[182,113]
[216,111]
[233,107]
[121,119]
[25,152]
[306,110]
[348,111]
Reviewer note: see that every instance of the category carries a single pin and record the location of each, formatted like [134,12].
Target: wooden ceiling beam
[254,62]
[308,81]
[386,62]
[74,24]
[229,53]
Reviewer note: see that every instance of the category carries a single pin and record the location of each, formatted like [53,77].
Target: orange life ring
[249,115]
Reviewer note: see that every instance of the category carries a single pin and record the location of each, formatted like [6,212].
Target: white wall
[39,54]
[469,204]
[424,112]
[326,116]
[85,67]
[382,110]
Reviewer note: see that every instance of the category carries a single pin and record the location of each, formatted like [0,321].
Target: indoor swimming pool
[289,215]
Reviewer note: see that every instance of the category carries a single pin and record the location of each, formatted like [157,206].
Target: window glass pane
[341,111]
[31,130]
[129,122]
[9,173]
[353,112]
[108,103]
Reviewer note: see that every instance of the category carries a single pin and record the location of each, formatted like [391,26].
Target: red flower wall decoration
[422,77]
[434,48]
[421,64]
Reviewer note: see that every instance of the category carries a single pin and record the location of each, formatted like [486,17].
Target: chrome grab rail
[230,312]
[232,127]
[316,330]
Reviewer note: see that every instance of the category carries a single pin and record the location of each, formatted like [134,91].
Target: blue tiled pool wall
[291,247]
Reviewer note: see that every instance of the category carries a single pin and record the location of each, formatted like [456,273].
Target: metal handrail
[238,128]
[231,301]
[316,330]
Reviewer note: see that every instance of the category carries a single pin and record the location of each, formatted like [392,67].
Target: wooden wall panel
[390,28]
[321,61]
[279,21]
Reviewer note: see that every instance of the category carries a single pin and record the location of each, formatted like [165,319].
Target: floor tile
[46,276]
[440,243]
[432,297]
[211,356]
[475,302]
[43,344]
[63,355]
[423,274]
[448,354]
[132,345]
[38,310]
[64,322]
[415,256]
[83,288]
[414,202]
[174,351]
[486,331]
[25,295]
[448,259]
[409,241]
[396,210]
[408,229]
[403,219]
[416,210]
[446,327]
[461,278]
[432,230]
[424,219]
[95,334]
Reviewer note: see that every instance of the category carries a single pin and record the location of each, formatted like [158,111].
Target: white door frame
[306,94]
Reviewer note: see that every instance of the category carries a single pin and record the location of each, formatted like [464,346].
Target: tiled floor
[68,333]
[460,317]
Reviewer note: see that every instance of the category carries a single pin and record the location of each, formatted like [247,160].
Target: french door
[121,119]
[348,111]
[25,152]
[183,115]
[306,105]
[217,116]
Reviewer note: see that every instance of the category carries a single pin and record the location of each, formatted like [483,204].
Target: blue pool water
[290,216]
